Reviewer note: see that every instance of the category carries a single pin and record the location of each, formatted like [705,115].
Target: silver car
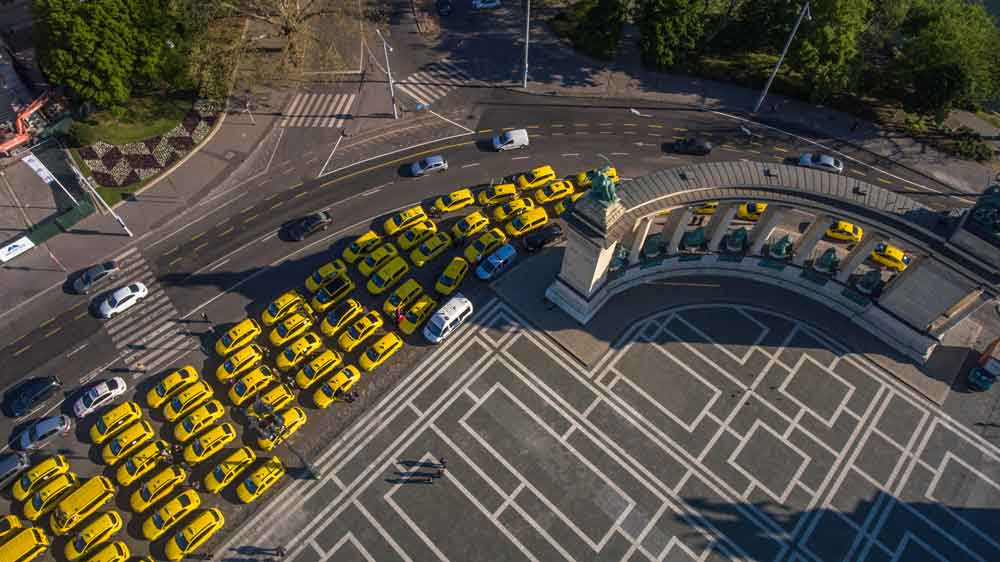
[98,395]
[820,161]
[11,466]
[427,165]
[95,275]
[122,299]
[39,433]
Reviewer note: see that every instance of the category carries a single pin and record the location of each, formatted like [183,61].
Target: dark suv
[22,398]
[693,145]
[542,237]
[308,225]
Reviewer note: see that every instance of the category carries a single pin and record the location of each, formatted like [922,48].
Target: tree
[288,21]
[826,48]
[670,31]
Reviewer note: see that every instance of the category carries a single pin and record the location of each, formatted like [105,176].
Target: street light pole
[97,196]
[527,39]
[804,12]
[392,91]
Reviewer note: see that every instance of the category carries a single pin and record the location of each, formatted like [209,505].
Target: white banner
[35,164]
[16,248]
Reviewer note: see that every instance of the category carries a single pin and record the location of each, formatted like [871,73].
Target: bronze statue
[603,188]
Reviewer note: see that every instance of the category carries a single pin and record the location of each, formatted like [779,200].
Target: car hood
[104,308]
[415,168]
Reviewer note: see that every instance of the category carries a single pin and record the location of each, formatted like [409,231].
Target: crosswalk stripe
[131,251]
[313,109]
[127,269]
[146,310]
[154,339]
[432,89]
[292,109]
[318,110]
[434,81]
[169,353]
[342,107]
[327,107]
[147,336]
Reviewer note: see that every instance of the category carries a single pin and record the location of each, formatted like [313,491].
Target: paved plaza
[708,432]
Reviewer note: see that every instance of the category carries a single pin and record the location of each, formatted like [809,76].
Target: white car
[819,161]
[98,395]
[122,299]
[485,4]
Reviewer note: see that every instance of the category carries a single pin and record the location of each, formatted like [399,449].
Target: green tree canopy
[826,48]
[671,31]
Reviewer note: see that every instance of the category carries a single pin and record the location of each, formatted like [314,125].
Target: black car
[444,7]
[542,237]
[308,225]
[22,398]
[693,145]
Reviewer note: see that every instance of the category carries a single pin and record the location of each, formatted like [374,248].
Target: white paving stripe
[433,82]
[318,110]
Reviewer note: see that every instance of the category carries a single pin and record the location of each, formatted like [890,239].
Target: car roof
[437,158]
[505,251]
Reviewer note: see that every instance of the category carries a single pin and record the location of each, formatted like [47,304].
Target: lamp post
[527,39]
[97,196]
[392,91]
[804,12]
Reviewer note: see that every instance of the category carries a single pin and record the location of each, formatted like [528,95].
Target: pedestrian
[204,318]
[443,463]
[774,108]
[140,366]
[399,315]
[280,551]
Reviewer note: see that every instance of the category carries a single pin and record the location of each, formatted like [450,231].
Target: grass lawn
[143,118]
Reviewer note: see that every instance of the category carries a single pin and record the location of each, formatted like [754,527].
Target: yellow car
[890,256]
[416,234]
[470,225]
[378,352]
[340,316]
[100,529]
[452,276]
[189,399]
[236,337]
[417,314]
[553,192]
[404,219]
[360,330]
[843,230]
[290,328]
[123,444]
[209,443]
[288,421]
[582,179]
[361,246]
[320,366]
[284,305]
[377,259]
[171,385]
[497,194]
[706,209]
[332,293]
[485,245]
[36,477]
[401,298]
[196,421]
[250,384]
[80,504]
[199,529]
[513,208]
[430,249]
[271,400]
[324,274]
[337,387]
[49,495]
[260,480]
[227,470]
[170,514]
[142,462]
[536,178]
[238,363]
[115,552]
[751,211]
[300,350]
[390,274]
[527,222]
[9,526]
[566,204]
[454,201]
[157,487]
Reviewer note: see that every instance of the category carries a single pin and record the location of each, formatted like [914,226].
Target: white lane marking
[520,157]
[570,154]
[371,192]
[77,349]
[397,151]
[261,238]
[220,264]
[619,153]
[281,133]
[328,158]
[450,121]
[471,165]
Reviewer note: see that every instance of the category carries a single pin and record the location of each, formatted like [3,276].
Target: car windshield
[26,481]
[309,371]
[371,354]
[447,280]
[377,280]
[250,485]
[188,424]
[219,474]
[435,326]
[324,296]
[161,390]
[272,309]
[112,302]
[198,448]
[145,493]
[89,398]
[37,501]
[116,446]
[101,426]
[282,330]
[289,354]
[317,276]
[157,520]
[181,541]
[518,223]
[130,466]
[80,543]
[479,246]
[227,340]
[176,404]
[240,388]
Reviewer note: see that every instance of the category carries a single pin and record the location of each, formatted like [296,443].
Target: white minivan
[448,318]
[510,140]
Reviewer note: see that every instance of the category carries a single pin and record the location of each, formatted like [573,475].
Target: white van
[448,318]
[509,140]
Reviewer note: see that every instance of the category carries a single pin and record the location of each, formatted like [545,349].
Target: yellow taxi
[289,421]
[536,178]
[340,316]
[240,362]
[36,476]
[260,480]
[706,209]
[170,385]
[843,230]
[751,211]
[126,442]
[526,222]
[452,276]
[9,526]
[227,470]
[378,352]
[49,494]
[337,387]
[290,328]
[250,384]
[401,298]
[470,225]
[390,274]
[271,400]
[416,234]
[115,552]
[208,443]
[582,180]
[285,304]
[98,530]
[332,293]
[890,256]
[156,488]
[298,351]
[236,337]
[513,208]
[485,245]
[325,273]
[566,204]
[80,504]
[430,248]
[170,514]
[198,420]
[199,529]
[555,191]
[454,201]
[404,219]
[377,259]
[361,246]
[417,314]
[318,367]
[142,462]
[25,546]
[190,398]
[497,194]
[360,330]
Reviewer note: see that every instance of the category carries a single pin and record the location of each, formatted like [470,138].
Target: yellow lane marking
[247,209]
[52,331]
[81,315]
[391,163]
[655,126]
[175,260]
[885,181]
[776,157]
[485,131]
[171,250]
[629,132]
[630,124]
[223,221]
[276,205]
[507,129]
[680,129]
[197,236]
[272,197]
[200,246]
[653,135]
[227,231]
[581,124]
[557,125]
[47,322]
[779,149]
[22,350]
[754,151]
[725,147]
[250,218]
[533,127]
[301,194]
[858,172]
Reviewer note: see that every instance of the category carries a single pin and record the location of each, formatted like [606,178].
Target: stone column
[856,256]
[765,226]
[585,263]
[673,229]
[719,225]
[807,242]
[639,239]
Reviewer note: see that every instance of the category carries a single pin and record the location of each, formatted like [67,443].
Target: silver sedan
[819,161]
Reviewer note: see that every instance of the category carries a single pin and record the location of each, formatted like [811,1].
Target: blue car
[496,263]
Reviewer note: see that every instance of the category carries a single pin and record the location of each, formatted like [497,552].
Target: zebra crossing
[318,110]
[433,82]
[149,334]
